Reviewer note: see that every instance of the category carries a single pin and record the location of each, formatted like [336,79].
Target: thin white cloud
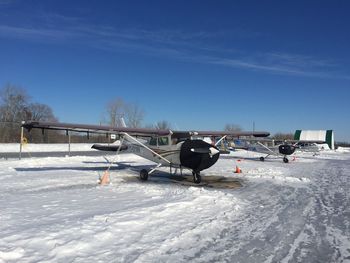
[174,44]
[274,68]
[7,2]
[34,33]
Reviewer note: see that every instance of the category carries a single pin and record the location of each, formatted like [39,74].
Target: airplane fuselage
[196,155]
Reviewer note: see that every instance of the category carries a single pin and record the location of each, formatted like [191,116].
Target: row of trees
[16,106]
[131,113]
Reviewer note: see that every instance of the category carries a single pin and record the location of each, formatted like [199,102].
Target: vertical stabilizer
[122,122]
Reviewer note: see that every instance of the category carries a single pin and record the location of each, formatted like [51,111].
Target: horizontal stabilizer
[109,148]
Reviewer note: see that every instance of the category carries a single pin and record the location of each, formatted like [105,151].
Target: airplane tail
[116,145]
[109,148]
[122,122]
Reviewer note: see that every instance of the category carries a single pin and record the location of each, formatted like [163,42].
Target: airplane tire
[285,160]
[262,159]
[143,175]
[196,178]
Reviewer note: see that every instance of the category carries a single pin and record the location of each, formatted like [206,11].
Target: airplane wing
[135,131]
[94,128]
[231,134]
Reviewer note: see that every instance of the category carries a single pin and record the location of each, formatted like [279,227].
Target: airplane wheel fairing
[285,160]
[262,159]
[143,175]
[196,155]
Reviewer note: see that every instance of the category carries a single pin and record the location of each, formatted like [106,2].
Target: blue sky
[284,65]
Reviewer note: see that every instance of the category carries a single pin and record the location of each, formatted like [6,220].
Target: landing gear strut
[196,177]
[143,175]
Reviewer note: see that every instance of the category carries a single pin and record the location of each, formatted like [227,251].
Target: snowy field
[44,147]
[53,210]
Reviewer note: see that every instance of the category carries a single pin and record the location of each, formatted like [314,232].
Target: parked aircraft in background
[178,149]
[267,147]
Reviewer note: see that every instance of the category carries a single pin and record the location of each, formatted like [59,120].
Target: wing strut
[223,137]
[267,148]
[105,179]
[146,147]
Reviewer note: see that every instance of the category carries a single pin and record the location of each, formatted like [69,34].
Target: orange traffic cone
[105,179]
[238,170]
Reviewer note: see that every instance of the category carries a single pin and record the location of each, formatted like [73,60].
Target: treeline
[16,106]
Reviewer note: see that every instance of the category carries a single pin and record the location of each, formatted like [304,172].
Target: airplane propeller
[198,155]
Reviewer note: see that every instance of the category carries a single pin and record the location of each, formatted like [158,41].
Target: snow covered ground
[53,210]
[44,147]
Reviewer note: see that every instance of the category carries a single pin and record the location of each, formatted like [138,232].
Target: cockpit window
[163,141]
[153,141]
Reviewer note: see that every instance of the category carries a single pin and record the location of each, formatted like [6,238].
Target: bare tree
[163,125]
[13,103]
[232,127]
[14,108]
[134,115]
[40,112]
[115,110]
[283,136]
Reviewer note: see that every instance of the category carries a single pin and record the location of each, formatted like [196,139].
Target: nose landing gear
[196,177]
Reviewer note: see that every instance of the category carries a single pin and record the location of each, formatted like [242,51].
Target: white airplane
[279,150]
[176,149]
[284,149]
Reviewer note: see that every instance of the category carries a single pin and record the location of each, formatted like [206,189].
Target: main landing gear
[144,175]
[196,177]
[285,159]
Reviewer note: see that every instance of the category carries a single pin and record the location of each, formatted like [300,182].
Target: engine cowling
[286,149]
[198,155]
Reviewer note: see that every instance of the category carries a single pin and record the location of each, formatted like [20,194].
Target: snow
[45,147]
[53,210]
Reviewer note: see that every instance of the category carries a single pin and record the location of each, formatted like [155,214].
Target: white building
[316,135]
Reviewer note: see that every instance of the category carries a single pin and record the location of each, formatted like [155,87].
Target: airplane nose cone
[213,151]
[198,155]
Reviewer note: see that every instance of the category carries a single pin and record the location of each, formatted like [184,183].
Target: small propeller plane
[278,150]
[284,149]
[177,149]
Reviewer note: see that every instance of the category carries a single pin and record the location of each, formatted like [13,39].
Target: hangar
[316,135]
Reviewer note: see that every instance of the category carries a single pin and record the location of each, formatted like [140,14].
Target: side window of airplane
[153,141]
[163,141]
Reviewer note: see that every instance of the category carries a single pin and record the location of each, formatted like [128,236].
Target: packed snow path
[52,210]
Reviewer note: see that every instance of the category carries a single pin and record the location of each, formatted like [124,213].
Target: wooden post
[68,143]
[21,143]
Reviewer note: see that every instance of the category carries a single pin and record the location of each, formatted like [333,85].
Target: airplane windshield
[161,141]
[153,141]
